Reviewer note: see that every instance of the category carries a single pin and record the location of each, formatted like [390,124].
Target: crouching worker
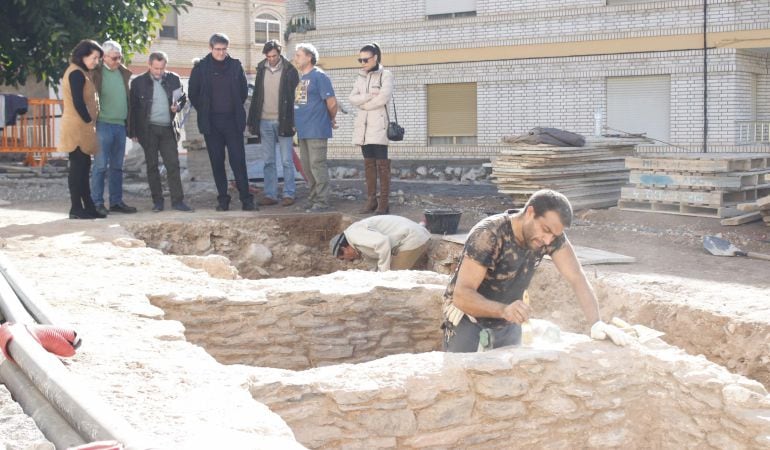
[483,304]
[395,242]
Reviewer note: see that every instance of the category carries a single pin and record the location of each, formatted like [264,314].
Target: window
[169,29]
[452,114]
[266,28]
[639,105]
[448,9]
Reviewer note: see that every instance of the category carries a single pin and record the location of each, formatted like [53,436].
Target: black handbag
[395,131]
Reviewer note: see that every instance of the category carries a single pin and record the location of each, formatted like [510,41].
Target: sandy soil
[57,253]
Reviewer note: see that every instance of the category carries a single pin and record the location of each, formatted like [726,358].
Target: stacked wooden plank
[590,176]
[752,211]
[695,184]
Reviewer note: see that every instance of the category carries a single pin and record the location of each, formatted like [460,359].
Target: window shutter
[452,109]
[448,6]
[640,105]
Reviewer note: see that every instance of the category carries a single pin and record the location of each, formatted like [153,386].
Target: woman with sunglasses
[78,128]
[370,95]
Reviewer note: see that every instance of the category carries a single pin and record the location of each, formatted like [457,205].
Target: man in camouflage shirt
[483,302]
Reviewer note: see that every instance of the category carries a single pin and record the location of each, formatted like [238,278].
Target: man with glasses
[111,81]
[484,304]
[271,119]
[218,90]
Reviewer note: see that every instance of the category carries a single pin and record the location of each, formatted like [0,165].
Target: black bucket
[442,221]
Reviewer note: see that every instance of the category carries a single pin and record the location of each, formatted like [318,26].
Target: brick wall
[342,27]
[515,106]
[204,18]
[345,13]
[296,7]
[514,96]
[562,92]
[763,97]
[494,7]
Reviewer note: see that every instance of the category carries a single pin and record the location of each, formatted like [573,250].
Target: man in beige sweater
[395,242]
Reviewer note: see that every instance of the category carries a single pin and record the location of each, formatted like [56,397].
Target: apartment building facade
[248,24]
[469,72]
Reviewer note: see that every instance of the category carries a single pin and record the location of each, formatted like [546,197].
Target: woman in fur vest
[78,128]
[370,95]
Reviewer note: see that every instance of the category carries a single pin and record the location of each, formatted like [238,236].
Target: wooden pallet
[707,198]
[718,181]
[700,162]
[678,208]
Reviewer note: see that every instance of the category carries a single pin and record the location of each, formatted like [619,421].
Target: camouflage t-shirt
[510,267]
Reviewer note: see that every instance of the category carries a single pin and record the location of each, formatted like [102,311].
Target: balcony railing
[753,132]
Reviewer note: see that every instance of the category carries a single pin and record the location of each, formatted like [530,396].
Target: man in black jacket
[156,98]
[218,90]
[271,119]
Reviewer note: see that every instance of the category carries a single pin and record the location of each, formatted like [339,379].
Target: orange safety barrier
[34,132]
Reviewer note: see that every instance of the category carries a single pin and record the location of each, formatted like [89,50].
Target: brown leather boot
[383,170]
[370,170]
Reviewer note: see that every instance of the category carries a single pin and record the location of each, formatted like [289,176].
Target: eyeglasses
[219,49]
[364,60]
[114,58]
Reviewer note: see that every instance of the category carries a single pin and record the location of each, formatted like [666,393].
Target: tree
[37,36]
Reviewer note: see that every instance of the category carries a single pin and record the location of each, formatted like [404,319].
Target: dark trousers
[78,180]
[224,133]
[376,151]
[161,141]
[464,338]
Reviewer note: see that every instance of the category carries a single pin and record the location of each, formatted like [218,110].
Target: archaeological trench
[349,358]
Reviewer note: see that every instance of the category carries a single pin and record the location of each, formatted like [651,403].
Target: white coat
[370,95]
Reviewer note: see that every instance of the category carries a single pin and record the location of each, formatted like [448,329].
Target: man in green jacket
[111,81]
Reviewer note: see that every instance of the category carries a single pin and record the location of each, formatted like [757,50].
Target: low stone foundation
[575,394]
[345,317]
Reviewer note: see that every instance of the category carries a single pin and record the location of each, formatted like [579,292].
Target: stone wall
[293,325]
[574,394]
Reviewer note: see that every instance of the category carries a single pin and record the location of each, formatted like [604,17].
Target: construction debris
[756,210]
[590,176]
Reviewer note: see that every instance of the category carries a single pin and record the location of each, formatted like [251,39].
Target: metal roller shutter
[448,6]
[640,105]
[452,109]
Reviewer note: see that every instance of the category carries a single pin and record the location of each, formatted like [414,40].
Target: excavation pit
[348,359]
[264,247]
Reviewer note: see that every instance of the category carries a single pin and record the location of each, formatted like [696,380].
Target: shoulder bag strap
[392,99]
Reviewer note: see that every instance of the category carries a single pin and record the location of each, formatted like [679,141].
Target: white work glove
[601,330]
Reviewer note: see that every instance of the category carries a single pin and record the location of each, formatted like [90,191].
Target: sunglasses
[364,60]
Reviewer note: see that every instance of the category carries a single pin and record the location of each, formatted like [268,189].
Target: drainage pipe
[92,419]
[55,427]
[88,414]
[33,403]
[10,307]
[39,309]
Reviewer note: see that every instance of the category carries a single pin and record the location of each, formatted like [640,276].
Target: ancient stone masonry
[299,324]
[572,394]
